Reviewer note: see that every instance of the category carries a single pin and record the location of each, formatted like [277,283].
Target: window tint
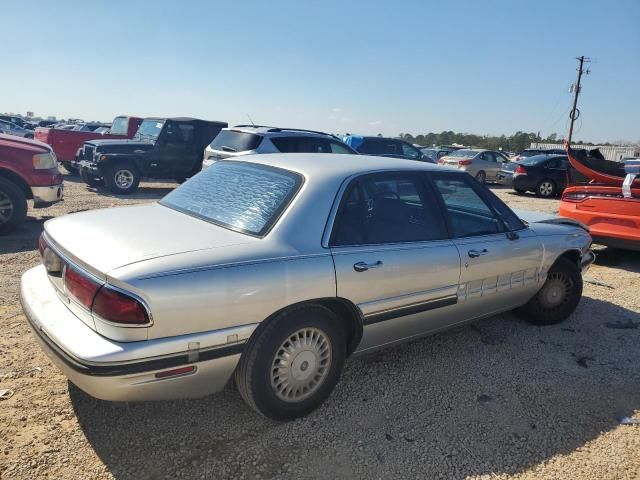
[468,213]
[240,196]
[388,209]
[337,147]
[557,163]
[235,141]
[302,144]
[410,151]
[379,147]
[179,133]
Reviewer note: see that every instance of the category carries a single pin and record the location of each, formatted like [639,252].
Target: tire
[91,180]
[481,177]
[546,308]
[546,188]
[270,391]
[13,206]
[122,178]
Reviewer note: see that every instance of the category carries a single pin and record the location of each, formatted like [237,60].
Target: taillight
[42,244]
[465,162]
[118,307]
[520,170]
[440,161]
[574,196]
[80,287]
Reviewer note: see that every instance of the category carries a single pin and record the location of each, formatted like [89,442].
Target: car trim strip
[148,365]
[390,314]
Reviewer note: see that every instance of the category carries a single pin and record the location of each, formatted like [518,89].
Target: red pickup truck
[65,143]
[28,170]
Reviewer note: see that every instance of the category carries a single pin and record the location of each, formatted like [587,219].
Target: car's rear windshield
[245,197]
[119,126]
[464,153]
[235,141]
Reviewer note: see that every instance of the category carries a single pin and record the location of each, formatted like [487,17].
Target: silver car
[273,269]
[13,129]
[484,165]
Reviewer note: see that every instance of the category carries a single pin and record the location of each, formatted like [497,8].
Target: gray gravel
[496,399]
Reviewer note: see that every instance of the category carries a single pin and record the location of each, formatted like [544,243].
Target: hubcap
[124,179]
[6,208]
[556,290]
[546,188]
[301,365]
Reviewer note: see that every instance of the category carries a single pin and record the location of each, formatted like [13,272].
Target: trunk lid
[103,240]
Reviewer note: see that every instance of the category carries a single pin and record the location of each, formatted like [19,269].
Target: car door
[177,155]
[556,169]
[392,257]
[493,165]
[500,257]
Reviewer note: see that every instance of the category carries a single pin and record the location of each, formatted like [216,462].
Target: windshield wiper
[224,148]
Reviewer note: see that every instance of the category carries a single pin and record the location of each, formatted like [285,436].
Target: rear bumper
[503,178]
[126,371]
[44,196]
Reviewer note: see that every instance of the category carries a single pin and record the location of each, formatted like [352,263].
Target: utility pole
[575,113]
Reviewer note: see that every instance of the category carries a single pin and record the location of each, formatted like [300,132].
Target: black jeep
[163,148]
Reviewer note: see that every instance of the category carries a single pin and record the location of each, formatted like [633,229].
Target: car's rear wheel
[546,188]
[481,177]
[292,364]
[520,190]
[558,297]
[122,178]
[13,206]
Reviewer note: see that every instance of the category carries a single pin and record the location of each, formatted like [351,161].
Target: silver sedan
[273,269]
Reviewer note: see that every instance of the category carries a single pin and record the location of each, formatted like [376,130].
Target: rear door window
[379,147]
[388,208]
[410,151]
[235,141]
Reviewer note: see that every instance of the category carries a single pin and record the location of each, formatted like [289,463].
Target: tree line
[513,143]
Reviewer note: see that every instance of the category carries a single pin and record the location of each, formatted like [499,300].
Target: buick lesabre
[270,270]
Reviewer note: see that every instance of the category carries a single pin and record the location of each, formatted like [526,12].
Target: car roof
[278,131]
[336,165]
[183,119]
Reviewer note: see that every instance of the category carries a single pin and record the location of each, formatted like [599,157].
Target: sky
[486,67]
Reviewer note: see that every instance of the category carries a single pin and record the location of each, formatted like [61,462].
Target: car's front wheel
[558,297]
[122,178]
[292,364]
[13,206]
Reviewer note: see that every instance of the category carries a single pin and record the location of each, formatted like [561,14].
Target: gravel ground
[495,399]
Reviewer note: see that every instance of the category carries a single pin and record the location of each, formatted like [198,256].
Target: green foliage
[514,143]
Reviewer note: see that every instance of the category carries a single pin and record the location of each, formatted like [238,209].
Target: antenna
[251,121]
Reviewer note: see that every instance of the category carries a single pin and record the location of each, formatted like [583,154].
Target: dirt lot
[496,399]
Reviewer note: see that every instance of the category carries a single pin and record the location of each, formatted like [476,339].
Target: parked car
[250,139]
[284,265]
[9,128]
[545,175]
[484,165]
[66,140]
[435,154]
[28,171]
[608,204]
[386,147]
[46,123]
[163,148]
[19,121]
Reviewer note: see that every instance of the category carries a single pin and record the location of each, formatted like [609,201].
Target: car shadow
[628,260]
[25,237]
[495,397]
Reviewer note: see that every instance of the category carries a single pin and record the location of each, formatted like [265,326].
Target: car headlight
[45,161]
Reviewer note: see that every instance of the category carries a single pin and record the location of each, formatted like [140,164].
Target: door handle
[363,266]
[477,253]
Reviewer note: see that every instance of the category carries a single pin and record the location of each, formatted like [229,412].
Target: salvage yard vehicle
[9,128]
[250,139]
[284,265]
[28,171]
[385,147]
[163,148]
[66,142]
[609,204]
[545,175]
[484,165]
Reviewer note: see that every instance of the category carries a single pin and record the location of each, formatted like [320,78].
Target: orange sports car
[609,204]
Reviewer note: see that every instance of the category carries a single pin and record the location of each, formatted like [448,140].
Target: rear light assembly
[118,307]
[520,170]
[80,287]
[440,161]
[42,244]
[465,162]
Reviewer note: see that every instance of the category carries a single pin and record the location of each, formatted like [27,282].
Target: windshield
[244,197]
[463,153]
[235,141]
[150,129]
[119,126]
